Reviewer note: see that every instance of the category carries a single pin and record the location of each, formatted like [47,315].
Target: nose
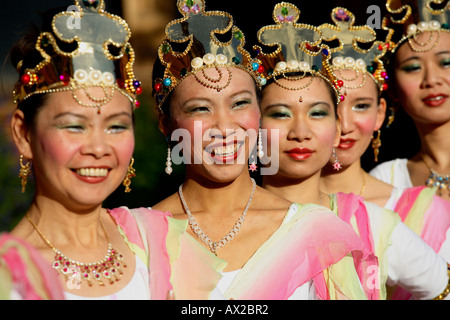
[346,120]
[299,130]
[431,77]
[97,144]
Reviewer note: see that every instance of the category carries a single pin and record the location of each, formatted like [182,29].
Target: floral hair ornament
[103,57]
[197,29]
[406,19]
[299,53]
[349,55]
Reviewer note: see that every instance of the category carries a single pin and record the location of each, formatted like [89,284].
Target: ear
[338,132]
[164,124]
[381,114]
[21,134]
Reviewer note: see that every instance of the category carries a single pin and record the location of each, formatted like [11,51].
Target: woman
[74,123]
[264,246]
[418,70]
[361,117]
[309,131]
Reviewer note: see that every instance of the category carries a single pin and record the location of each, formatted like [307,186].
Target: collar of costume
[103,57]
[197,31]
[298,52]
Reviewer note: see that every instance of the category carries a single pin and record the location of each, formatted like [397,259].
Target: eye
[201,109]
[318,112]
[241,103]
[445,63]
[278,113]
[76,128]
[117,128]
[361,107]
[411,68]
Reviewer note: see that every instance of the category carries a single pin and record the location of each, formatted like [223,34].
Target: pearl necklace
[215,245]
[109,268]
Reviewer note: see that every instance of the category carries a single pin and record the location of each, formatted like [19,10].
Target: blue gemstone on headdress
[167,82]
[255,66]
[325,52]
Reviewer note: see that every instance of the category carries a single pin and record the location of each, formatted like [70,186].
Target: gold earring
[24,172]
[376,144]
[131,173]
[391,117]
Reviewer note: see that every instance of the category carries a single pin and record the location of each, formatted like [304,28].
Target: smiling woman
[74,129]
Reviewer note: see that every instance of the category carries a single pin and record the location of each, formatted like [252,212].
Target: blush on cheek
[367,126]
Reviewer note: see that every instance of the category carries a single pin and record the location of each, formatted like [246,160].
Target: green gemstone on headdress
[238,35]
[189,3]
[183,72]
[165,48]
[284,11]
[370,69]
[445,26]
[236,60]
[315,68]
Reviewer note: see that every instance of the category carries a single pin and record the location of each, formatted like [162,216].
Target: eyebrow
[312,105]
[418,58]
[114,115]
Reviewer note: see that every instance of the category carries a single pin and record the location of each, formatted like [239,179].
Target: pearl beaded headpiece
[408,18]
[349,54]
[96,34]
[298,50]
[197,29]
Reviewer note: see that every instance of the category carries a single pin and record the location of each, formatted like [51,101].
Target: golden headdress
[298,51]
[349,54]
[198,29]
[408,18]
[102,57]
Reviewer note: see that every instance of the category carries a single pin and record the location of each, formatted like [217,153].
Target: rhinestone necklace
[441,181]
[215,245]
[109,268]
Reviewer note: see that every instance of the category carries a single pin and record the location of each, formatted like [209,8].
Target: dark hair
[24,55]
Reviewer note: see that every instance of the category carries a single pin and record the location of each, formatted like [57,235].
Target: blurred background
[147,20]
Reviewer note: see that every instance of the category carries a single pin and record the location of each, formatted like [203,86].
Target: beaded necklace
[109,268]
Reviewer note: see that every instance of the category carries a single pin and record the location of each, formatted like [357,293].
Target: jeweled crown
[298,50]
[349,54]
[198,29]
[408,18]
[103,57]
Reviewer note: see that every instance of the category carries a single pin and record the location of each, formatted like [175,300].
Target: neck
[216,198]
[436,145]
[62,225]
[350,179]
[296,190]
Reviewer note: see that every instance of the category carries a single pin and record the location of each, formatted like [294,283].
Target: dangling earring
[337,165]
[260,145]
[376,144]
[252,166]
[24,172]
[131,173]
[169,162]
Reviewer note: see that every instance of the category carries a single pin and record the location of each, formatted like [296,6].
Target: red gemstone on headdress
[340,83]
[139,90]
[158,87]
[342,98]
[384,74]
[65,78]
[261,69]
[137,104]
[25,78]
[385,86]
